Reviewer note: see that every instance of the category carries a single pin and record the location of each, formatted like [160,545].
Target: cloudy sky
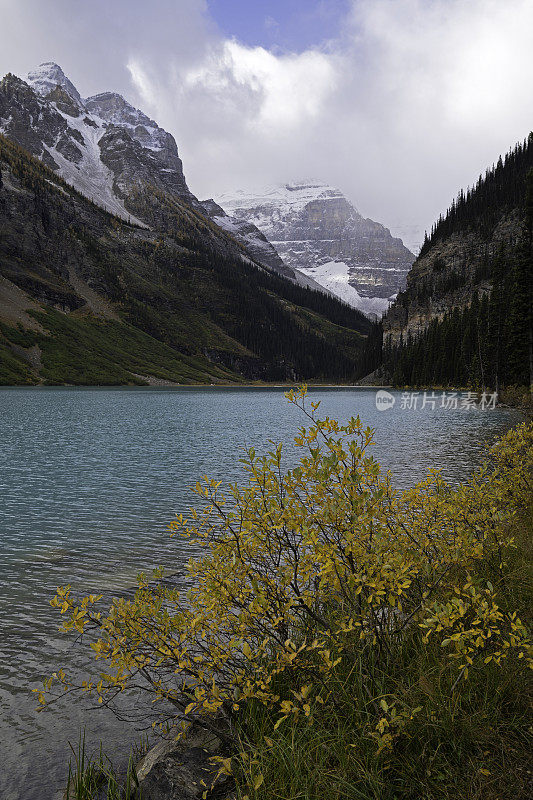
[397,102]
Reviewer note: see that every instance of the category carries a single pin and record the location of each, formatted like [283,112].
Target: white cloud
[293,87]
[415,99]
[409,104]
[280,92]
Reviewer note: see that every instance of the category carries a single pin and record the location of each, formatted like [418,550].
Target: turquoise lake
[89,480]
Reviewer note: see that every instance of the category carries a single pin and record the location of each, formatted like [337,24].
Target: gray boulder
[182,770]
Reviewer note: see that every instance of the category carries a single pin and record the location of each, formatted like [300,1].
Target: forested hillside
[465,316]
[87,298]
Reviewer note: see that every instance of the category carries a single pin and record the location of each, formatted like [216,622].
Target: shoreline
[180,386]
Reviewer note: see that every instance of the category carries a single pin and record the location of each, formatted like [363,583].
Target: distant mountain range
[317,231]
[106,149]
[111,271]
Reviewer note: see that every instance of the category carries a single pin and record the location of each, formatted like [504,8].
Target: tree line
[481,206]
[487,342]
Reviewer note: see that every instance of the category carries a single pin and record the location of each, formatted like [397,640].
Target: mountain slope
[112,153]
[87,298]
[256,243]
[317,231]
[258,246]
[465,315]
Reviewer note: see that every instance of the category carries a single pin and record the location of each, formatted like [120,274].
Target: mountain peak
[13,81]
[317,231]
[292,197]
[112,107]
[112,98]
[115,110]
[48,76]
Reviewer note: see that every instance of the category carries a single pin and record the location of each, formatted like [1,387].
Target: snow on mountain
[109,150]
[90,175]
[334,276]
[281,201]
[49,76]
[319,233]
[112,153]
[114,109]
[114,146]
[258,245]
[76,149]
[239,227]
[248,235]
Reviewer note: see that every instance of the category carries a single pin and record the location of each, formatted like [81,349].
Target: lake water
[89,479]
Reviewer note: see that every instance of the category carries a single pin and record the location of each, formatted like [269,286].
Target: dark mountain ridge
[465,315]
[87,298]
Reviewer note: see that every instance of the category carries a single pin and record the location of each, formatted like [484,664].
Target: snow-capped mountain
[317,231]
[48,77]
[255,242]
[258,246]
[112,152]
[113,146]
[54,125]
[109,151]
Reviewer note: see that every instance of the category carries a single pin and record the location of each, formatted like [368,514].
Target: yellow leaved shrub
[304,569]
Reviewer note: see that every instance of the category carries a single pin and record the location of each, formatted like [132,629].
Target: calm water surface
[89,479]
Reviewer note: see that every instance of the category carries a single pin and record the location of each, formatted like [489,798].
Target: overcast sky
[397,102]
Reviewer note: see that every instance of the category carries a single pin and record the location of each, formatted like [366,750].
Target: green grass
[95,778]
[471,742]
[13,370]
[84,350]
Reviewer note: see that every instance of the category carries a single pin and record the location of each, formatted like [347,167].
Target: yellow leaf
[226,765]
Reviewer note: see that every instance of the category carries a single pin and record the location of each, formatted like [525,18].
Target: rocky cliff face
[36,126]
[49,76]
[448,276]
[480,238]
[258,246]
[113,135]
[55,126]
[121,159]
[136,149]
[464,319]
[316,230]
[255,242]
[116,155]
